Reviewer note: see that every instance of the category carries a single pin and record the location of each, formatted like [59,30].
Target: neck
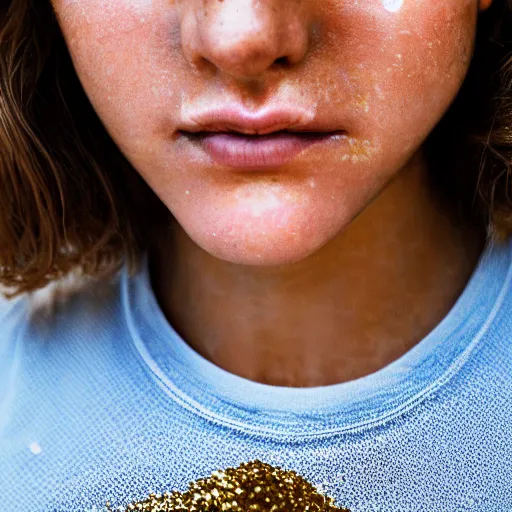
[354,306]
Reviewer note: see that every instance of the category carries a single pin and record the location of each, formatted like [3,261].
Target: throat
[359,303]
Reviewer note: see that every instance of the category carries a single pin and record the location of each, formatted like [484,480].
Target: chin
[274,248]
[259,231]
[264,257]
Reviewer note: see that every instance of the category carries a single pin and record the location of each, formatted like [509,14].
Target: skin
[335,264]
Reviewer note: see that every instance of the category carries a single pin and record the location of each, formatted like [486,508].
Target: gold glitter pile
[252,487]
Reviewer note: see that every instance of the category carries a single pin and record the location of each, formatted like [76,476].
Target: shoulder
[61,315]
[13,315]
[51,343]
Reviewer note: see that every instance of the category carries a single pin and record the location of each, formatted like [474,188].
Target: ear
[484,4]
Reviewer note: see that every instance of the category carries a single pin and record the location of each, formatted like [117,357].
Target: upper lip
[232,118]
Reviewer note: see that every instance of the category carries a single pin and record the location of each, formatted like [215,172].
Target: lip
[257,152]
[240,139]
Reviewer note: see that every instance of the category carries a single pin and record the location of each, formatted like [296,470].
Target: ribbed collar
[297,413]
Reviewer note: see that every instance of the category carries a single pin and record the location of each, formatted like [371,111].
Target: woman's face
[173,79]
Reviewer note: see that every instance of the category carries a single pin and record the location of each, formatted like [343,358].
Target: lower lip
[258,152]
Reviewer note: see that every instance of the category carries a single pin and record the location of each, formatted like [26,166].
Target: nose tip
[247,55]
[245,38]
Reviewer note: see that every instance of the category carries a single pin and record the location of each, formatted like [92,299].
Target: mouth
[257,152]
[244,140]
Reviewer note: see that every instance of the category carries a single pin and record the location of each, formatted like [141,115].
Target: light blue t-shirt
[104,401]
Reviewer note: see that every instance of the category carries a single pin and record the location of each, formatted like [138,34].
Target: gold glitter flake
[252,487]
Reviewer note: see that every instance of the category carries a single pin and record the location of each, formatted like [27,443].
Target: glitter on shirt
[253,486]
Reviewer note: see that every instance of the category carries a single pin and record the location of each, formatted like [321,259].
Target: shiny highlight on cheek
[392,5]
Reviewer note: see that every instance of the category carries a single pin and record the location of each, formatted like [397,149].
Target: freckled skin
[334,265]
[345,70]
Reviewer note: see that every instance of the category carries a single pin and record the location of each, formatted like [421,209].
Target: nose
[245,38]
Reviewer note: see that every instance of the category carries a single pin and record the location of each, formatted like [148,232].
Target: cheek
[126,53]
[432,51]
[403,64]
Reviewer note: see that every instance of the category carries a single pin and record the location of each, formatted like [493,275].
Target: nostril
[282,61]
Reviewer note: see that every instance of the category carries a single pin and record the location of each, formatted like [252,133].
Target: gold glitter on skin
[253,486]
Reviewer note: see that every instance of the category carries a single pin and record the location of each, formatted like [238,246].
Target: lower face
[378,73]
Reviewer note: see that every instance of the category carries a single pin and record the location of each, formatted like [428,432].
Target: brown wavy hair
[70,201]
